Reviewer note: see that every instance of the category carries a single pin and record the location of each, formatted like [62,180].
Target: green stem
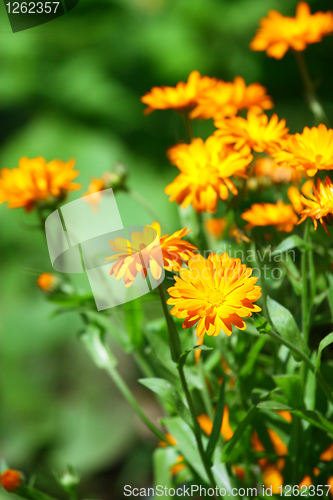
[307,361]
[93,340]
[311,97]
[175,347]
[202,240]
[305,304]
[125,391]
[262,280]
[195,425]
[189,128]
[205,393]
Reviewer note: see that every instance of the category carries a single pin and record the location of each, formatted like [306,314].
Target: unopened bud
[48,282]
[117,178]
[11,479]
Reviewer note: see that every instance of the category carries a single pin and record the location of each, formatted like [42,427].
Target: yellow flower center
[215,297]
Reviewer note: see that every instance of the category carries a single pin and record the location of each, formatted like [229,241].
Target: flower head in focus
[279,215]
[317,205]
[36,181]
[312,150]
[205,171]
[182,98]
[280,174]
[148,250]
[256,131]
[228,98]
[214,293]
[278,33]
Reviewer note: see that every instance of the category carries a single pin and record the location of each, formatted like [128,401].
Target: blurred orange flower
[182,98]
[216,293]
[216,226]
[227,98]
[47,282]
[312,150]
[256,131]
[11,479]
[318,207]
[278,33]
[280,215]
[144,249]
[205,171]
[36,181]
[206,424]
[266,166]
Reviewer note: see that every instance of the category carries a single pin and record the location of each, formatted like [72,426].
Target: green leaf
[253,356]
[186,444]
[273,405]
[286,326]
[293,241]
[163,460]
[324,343]
[238,433]
[222,478]
[291,387]
[315,419]
[153,332]
[218,417]
[261,323]
[169,395]
[92,339]
[113,325]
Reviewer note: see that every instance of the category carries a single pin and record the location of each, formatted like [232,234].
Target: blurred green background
[71,88]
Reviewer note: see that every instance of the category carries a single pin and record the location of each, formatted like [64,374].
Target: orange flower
[238,234]
[279,33]
[47,282]
[179,465]
[205,171]
[286,415]
[215,293]
[217,226]
[312,150]
[280,215]
[327,455]
[318,207]
[182,98]
[36,181]
[267,167]
[143,249]
[272,477]
[11,479]
[257,132]
[227,98]
[206,424]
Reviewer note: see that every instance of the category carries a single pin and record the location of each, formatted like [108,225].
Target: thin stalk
[195,425]
[311,97]
[262,280]
[189,128]
[125,391]
[307,361]
[205,392]
[175,347]
[202,239]
[305,304]
[144,203]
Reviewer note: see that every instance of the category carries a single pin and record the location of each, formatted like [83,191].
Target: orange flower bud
[10,480]
[47,282]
